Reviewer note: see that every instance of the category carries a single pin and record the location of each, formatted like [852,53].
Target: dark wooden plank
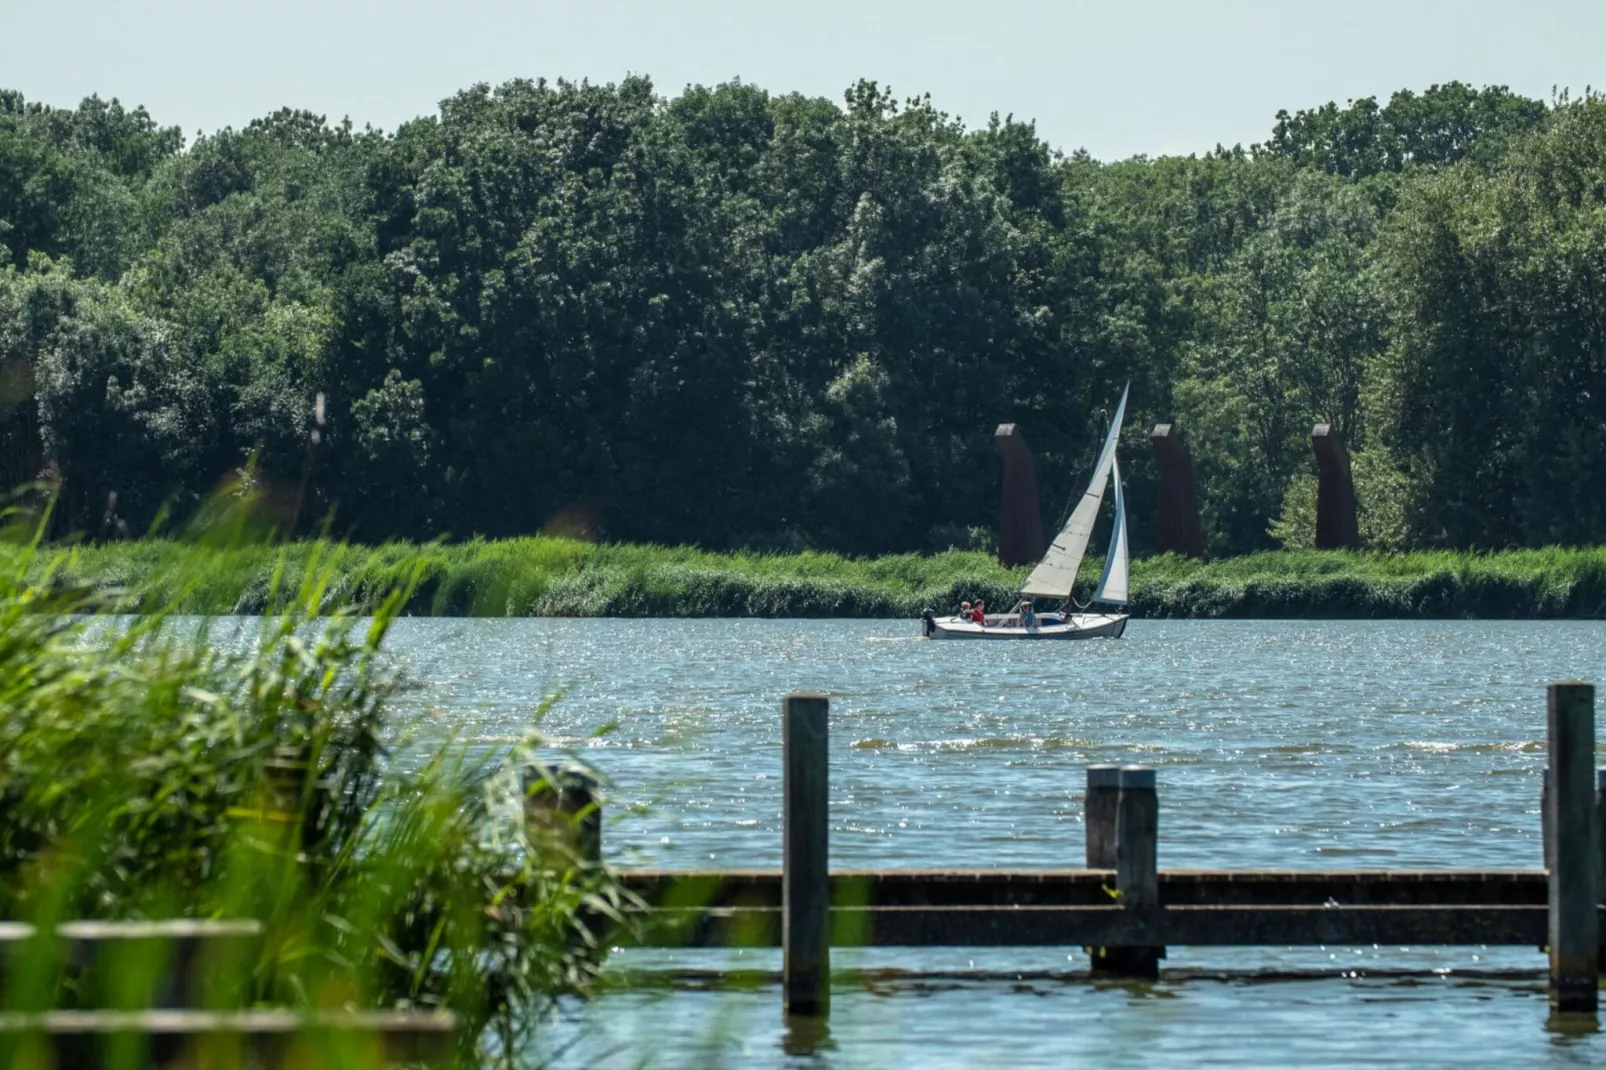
[177,955]
[762,888]
[164,929]
[1113,926]
[269,1038]
[1353,887]
[91,933]
[1574,851]
[805,854]
[1209,926]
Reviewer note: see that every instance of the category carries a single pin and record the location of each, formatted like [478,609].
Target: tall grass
[144,764]
[560,577]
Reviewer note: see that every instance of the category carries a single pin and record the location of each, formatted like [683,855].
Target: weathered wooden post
[1099,810]
[1122,813]
[1573,850]
[1337,527]
[805,876]
[289,800]
[1177,530]
[1020,521]
[1600,830]
[562,805]
[1137,874]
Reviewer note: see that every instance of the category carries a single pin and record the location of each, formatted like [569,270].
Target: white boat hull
[1079,626]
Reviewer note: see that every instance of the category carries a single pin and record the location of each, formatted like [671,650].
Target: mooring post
[562,805]
[1099,810]
[1137,873]
[1574,851]
[805,876]
[287,773]
[1600,831]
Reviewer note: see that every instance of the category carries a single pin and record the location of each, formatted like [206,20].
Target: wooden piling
[1600,832]
[1137,822]
[805,876]
[290,802]
[1099,808]
[562,805]
[1137,876]
[1573,850]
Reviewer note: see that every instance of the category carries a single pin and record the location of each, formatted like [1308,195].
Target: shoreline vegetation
[557,577]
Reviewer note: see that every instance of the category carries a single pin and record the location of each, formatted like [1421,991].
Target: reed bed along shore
[553,577]
[164,766]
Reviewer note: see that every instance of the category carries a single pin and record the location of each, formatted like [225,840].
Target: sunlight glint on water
[1280,744]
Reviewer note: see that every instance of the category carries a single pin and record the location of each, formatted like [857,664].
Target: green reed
[159,766]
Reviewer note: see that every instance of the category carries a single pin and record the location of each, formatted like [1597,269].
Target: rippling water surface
[1279,744]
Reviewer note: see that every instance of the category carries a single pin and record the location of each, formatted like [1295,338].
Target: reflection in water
[1564,1029]
[806,1035]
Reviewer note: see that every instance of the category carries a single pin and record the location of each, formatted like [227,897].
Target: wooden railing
[174,1028]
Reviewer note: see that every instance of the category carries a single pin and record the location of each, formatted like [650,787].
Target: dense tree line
[735,318]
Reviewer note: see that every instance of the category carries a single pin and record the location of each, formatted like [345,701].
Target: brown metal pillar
[1020,522]
[1178,525]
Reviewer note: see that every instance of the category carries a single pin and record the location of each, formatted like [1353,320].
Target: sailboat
[1055,574]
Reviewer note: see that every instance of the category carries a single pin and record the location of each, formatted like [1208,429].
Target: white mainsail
[1112,586]
[1055,575]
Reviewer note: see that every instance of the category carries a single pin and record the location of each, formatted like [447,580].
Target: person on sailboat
[979,614]
[964,610]
[1028,619]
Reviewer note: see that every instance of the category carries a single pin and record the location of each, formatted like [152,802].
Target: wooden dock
[1121,907]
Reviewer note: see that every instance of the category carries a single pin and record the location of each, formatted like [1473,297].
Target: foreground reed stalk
[154,767]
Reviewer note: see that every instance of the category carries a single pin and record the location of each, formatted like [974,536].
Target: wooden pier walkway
[1121,907]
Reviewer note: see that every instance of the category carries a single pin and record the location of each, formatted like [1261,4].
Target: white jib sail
[1055,575]
[1112,586]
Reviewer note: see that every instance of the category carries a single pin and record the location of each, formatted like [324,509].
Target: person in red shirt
[979,614]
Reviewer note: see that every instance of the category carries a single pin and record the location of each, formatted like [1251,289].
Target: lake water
[1279,745]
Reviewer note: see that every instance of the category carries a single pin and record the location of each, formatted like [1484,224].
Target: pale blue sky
[1142,76]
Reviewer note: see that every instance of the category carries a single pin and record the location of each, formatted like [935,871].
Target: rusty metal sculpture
[1020,521]
[1336,524]
[1177,529]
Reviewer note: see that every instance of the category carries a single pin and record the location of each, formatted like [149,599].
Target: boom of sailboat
[1054,577]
